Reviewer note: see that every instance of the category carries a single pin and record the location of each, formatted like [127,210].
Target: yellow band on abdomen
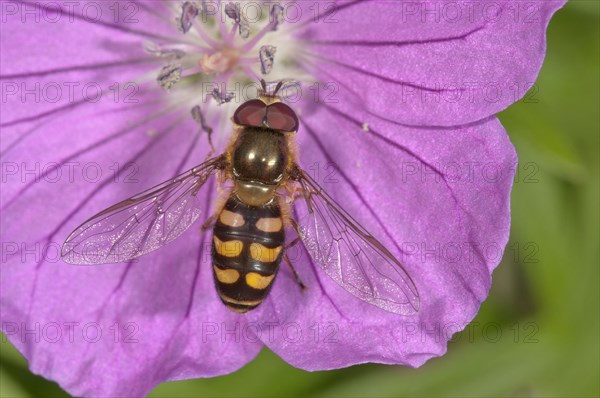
[231,248]
[264,254]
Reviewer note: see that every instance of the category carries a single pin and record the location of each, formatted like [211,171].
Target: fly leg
[209,131]
[289,263]
[294,193]
[210,221]
[198,116]
[296,277]
[221,164]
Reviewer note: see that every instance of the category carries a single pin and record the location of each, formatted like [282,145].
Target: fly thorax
[259,160]
[254,193]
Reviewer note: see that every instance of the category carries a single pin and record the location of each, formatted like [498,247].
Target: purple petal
[167,299]
[52,67]
[83,41]
[432,63]
[165,302]
[159,317]
[438,199]
[400,182]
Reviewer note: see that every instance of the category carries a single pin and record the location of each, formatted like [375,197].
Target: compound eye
[282,117]
[250,113]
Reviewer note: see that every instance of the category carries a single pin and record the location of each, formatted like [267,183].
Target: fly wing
[351,256]
[142,223]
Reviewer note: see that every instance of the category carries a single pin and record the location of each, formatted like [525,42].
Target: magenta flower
[101,100]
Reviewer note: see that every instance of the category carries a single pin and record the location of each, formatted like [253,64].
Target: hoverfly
[248,240]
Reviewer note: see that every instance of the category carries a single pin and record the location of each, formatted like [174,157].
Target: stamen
[216,54]
[267,54]
[276,16]
[189,11]
[169,75]
[222,98]
[207,39]
[233,11]
[170,53]
[275,20]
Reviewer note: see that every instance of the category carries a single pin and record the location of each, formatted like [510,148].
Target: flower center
[220,61]
[218,54]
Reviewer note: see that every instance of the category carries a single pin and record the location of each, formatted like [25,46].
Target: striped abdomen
[246,251]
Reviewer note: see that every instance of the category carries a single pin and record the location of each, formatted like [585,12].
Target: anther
[220,97]
[156,50]
[276,16]
[267,54]
[233,11]
[189,11]
[169,75]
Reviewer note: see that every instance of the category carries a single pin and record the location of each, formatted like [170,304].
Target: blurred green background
[545,296]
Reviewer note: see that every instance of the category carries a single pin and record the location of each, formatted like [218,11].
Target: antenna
[263,84]
[277,87]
